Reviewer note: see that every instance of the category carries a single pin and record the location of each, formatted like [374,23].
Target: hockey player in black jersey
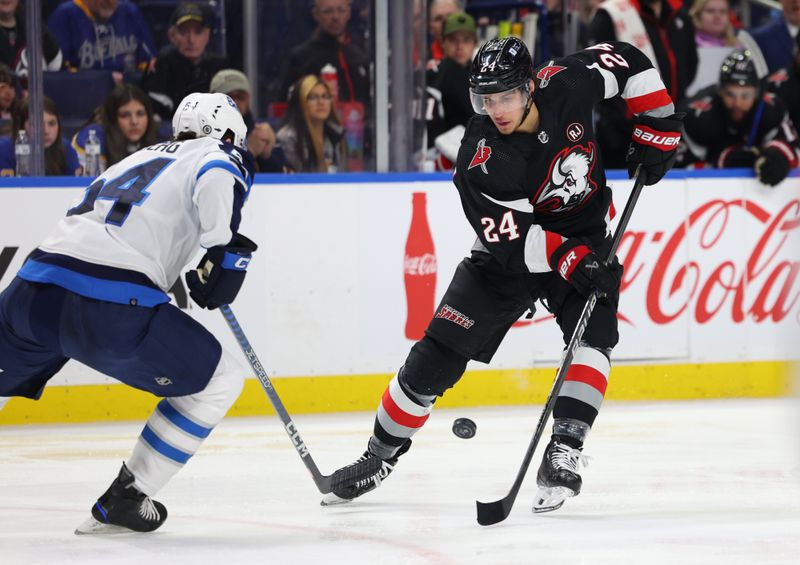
[736,123]
[532,186]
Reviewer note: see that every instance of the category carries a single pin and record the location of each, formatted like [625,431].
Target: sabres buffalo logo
[569,184]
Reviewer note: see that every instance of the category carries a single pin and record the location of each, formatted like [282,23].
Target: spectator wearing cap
[330,44]
[261,136]
[438,10]
[13,41]
[448,82]
[102,34]
[185,66]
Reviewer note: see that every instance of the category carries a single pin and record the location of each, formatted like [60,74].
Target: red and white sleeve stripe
[645,92]
[539,247]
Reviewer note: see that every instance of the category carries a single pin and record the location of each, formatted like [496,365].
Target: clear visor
[499,102]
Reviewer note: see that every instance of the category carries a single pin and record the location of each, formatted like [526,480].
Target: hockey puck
[464,428]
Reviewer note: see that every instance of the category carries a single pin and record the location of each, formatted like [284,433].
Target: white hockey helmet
[210,115]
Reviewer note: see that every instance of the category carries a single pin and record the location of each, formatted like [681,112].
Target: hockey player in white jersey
[95,290]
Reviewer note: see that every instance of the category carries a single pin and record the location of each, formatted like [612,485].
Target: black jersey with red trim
[786,84]
[710,134]
[524,193]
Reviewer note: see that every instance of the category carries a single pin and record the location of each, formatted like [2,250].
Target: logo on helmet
[206,129]
[482,154]
[546,73]
[569,184]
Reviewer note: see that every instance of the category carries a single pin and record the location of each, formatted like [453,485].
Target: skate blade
[551,498]
[92,527]
[331,499]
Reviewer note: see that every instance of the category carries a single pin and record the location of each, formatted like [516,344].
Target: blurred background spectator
[778,39]
[123,125]
[103,34]
[438,11]
[663,30]
[736,124]
[712,23]
[8,98]
[448,80]
[185,66]
[13,41]
[786,84]
[59,157]
[261,140]
[330,45]
[335,40]
[311,136]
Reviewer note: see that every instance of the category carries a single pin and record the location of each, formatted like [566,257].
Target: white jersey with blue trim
[150,212]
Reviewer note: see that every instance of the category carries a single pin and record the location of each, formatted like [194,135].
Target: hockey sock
[401,413]
[178,426]
[581,395]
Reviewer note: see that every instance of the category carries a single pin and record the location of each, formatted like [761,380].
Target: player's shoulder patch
[701,105]
[777,78]
[545,73]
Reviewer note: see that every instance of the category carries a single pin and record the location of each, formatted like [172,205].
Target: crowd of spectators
[317,105]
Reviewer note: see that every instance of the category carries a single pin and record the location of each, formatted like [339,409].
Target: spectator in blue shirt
[103,34]
[124,124]
[59,157]
[779,38]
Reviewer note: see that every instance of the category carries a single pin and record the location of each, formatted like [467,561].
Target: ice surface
[675,483]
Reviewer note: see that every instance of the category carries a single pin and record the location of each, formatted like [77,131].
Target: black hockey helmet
[500,65]
[739,68]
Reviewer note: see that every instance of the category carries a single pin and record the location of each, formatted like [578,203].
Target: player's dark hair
[117,145]
[185,135]
[55,156]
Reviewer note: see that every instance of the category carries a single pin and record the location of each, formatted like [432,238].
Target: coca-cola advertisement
[348,273]
[419,270]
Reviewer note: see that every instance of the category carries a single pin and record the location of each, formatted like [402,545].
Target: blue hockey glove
[220,273]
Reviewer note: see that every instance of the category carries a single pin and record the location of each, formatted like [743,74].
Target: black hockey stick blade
[493,512]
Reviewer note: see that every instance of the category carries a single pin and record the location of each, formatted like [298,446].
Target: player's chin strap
[528,105]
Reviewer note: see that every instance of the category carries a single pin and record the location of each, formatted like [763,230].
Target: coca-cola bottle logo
[421,265]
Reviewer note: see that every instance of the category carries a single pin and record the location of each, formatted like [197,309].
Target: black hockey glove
[584,270]
[654,145]
[772,166]
[737,158]
[220,273]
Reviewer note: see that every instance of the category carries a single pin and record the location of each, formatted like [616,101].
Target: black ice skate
[558,477]
[124,509]
[348,491]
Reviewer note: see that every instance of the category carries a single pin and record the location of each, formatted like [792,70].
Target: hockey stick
[493,512]
[325,483]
